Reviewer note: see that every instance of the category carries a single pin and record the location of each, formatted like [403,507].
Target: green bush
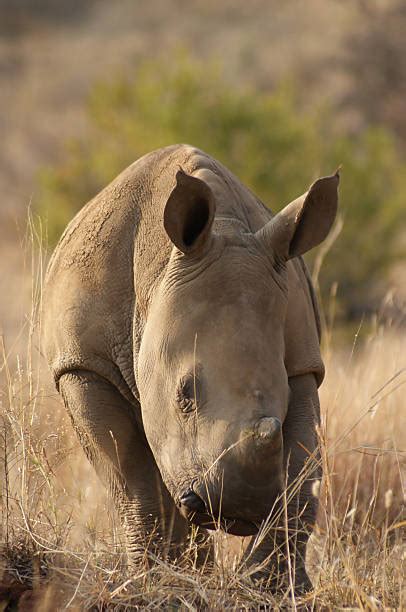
[264,138]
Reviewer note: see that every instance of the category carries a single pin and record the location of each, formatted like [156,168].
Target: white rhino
[182,331]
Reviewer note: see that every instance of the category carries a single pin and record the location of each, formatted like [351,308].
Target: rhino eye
[185,394]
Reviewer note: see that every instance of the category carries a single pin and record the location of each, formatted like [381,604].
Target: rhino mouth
[193,508]
[238,527]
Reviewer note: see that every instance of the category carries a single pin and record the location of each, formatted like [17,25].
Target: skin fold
[183,334]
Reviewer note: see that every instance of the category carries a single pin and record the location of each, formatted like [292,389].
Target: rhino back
[111,256]
[104,268]
[89,292]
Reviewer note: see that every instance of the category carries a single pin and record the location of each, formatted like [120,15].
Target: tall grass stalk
[60,543]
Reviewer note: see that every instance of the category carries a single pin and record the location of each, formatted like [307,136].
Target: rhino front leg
[288,539]
[106,425]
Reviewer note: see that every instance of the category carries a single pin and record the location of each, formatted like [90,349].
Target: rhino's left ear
[305,222]
[189,213]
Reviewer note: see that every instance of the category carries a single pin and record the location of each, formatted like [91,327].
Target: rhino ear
[305,222]
[189,213]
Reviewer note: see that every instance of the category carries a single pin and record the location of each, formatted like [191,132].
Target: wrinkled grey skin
[182,332]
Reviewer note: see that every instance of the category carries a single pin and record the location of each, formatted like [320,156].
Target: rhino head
[212,380]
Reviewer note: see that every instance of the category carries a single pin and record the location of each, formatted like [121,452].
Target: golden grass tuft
[61,545]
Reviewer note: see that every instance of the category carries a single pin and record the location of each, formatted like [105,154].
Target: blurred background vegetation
[264,137]
[278,96]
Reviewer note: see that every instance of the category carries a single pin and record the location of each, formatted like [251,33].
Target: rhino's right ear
[189,213]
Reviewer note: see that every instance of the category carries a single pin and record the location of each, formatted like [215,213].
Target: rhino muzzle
[192,502]
[195,510]
[245,494]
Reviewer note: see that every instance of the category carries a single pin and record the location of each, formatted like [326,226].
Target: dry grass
[48,67]
[60,544]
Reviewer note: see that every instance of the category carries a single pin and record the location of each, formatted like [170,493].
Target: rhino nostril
[269,428]
[192,501]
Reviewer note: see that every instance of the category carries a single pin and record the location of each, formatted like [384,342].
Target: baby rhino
[182,332]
